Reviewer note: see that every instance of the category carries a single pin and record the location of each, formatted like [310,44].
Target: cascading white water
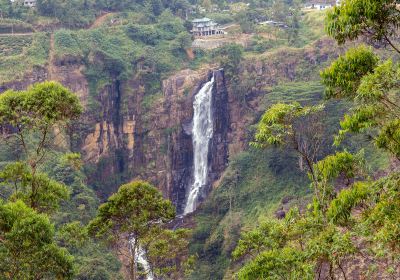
[140,257]
[202,132]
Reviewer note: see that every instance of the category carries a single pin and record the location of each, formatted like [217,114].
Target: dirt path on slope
[16,34]
[100,20]
[50,67]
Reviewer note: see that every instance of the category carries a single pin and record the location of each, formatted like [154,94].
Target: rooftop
[197,20]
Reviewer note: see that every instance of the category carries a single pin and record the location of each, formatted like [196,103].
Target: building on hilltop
[274,23]
[323,5]
[26,3]
[30,3]
[206,27]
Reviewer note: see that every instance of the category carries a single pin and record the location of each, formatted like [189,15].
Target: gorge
[133,148]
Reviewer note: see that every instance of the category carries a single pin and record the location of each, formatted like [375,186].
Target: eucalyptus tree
[30,121]
[295,127]
[129,216]
[27,246]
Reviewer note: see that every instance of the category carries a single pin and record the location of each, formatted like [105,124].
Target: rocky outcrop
[218,153]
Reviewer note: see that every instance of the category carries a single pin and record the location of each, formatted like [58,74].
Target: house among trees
[206,27]
[318,6]
[26,3]
[274,23]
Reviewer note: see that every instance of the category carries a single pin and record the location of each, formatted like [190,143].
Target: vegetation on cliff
[346,222]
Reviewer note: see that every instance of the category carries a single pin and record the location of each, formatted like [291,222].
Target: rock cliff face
[125,133]
[163,138]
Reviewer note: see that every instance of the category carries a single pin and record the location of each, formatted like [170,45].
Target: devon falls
[202,132]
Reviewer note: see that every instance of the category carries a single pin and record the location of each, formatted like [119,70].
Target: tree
[27,247]
[376,20]
[129,216]
[293,126]
[230,57]
[5,9]
[167,252]
[37,190]
[372,85]
[27,121]
[360,77]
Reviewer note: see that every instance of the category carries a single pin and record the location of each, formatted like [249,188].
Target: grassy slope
[19,55]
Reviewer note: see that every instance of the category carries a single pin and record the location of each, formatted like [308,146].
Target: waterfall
[202,132]
[140,257]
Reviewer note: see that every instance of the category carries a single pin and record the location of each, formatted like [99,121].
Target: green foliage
[12,45]
[277,123]
[44,177]
[341,163]
[230,57]
[131,215]
[27,248]
[13,66]
[253,185]
[269,235]
[378,20]
[382,218]
[37,190]
[340,208]
[8,25]
[40,107]
[310,236]
[326,171]
[139,203]
[35,112]
[344,75]
[286,263]
[365,210]
[167,252]
[375,95]
[91,261]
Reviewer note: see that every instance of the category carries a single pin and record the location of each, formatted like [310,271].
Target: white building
[318,6]
[26,3]
[206,27]
[30,3]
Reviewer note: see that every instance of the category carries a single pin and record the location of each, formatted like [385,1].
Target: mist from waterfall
[202,132]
